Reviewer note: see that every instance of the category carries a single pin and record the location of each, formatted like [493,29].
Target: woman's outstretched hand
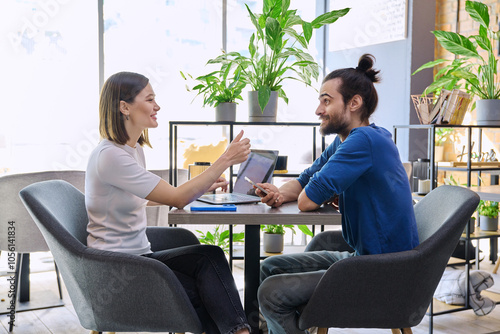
[238,150]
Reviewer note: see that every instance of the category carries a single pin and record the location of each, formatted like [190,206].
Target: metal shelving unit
[173,139]
[434,167]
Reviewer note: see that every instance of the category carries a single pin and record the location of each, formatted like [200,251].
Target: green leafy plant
[280,229]
[488,209]
[219,86]
[274,49]
[476,72]
[220,238]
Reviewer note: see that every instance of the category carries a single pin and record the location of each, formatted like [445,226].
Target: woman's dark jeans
[205,275]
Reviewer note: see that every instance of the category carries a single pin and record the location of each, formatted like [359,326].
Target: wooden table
[252,216]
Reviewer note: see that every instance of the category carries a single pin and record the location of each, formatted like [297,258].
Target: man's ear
[356,103]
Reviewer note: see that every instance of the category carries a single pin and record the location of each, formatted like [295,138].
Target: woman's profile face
[142,112]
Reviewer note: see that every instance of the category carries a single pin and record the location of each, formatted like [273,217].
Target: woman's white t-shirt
[116,185]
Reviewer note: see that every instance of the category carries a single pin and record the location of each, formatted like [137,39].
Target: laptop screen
[259,167]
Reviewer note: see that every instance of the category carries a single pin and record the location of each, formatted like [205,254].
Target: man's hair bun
[365,64]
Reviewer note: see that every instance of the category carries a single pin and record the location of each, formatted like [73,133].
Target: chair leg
[322,330]
[16,289]
[401,331]
[496,266]
[58,276]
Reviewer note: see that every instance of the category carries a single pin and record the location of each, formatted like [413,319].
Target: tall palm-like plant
[478,73]
[277,49]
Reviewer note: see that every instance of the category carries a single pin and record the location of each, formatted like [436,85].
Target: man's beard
[339,125]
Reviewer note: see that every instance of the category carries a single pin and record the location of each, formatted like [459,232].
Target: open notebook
[259,167]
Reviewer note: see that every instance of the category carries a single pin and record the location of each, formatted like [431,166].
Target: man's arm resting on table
[288,192]
[305,204]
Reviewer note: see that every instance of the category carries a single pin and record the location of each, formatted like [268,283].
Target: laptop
[259,167]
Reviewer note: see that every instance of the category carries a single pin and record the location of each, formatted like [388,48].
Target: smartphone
[255,185]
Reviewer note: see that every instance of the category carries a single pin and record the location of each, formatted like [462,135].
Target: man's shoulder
[372,132]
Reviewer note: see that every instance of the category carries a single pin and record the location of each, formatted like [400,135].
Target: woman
[118,188]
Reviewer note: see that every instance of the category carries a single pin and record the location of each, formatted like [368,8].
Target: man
[363,167]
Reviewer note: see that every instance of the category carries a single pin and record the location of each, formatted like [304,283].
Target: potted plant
[220,89]
[276,50]
[488,215]
[220,238]
[274,236]
[475,67]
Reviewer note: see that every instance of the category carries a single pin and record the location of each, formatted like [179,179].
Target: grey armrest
[328,240]
[169,237]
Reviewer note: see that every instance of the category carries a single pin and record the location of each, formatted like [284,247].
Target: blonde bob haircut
[122,86]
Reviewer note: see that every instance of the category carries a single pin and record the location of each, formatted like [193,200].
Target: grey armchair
[110,291]
[28,238]
[391,290]
[158,215]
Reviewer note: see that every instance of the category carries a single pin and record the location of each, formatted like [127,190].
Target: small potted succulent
[488,215]
[274,236]
[475,65]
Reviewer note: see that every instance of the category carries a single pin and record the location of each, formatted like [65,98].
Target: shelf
[478,234]
[443,308]
[429,126]
[487,164]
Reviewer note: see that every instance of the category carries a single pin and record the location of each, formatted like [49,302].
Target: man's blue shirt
[374,193]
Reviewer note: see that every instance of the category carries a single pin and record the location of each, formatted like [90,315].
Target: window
[50,84]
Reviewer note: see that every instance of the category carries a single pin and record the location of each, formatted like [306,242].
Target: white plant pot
[225,112]
[273,243]
[488,224]
[255,114]
[488,112]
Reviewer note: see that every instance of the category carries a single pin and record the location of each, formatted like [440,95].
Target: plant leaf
[478,12]
[329,17]
[308,30]
[440,83]
[463,74]
[430,65]
[251,47]
[274,36]
[304,229]
[263,96]
[292,19]
[456,44]
[292,32]
[285,5]
[483,42]
[255,21]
